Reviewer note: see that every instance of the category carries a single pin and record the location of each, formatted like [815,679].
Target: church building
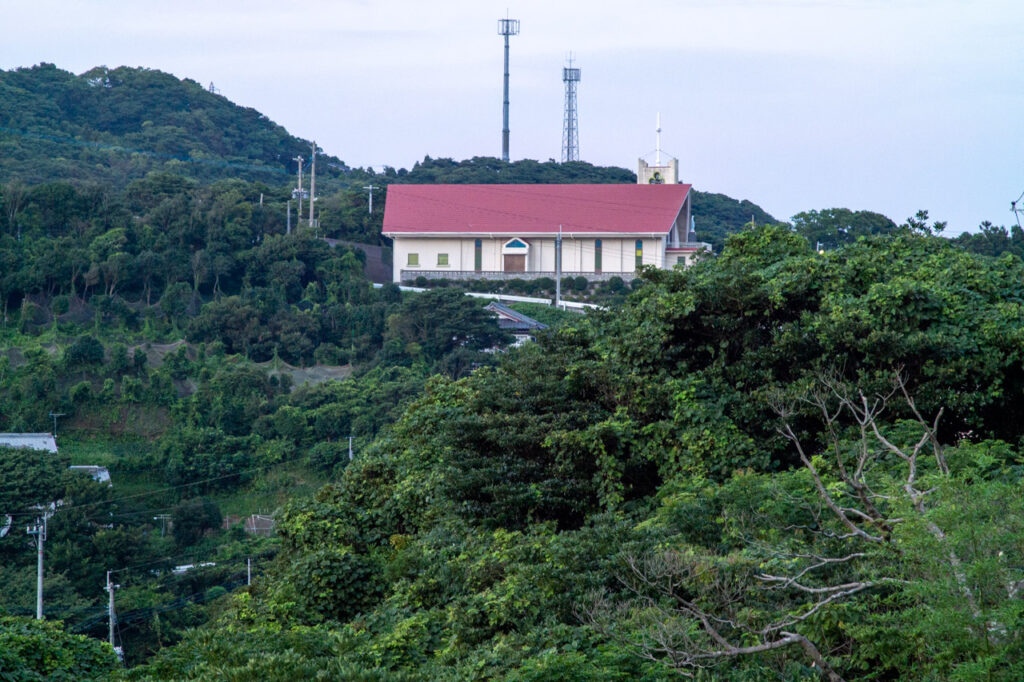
[512,231]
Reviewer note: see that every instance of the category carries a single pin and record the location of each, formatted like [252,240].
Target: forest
[798,459]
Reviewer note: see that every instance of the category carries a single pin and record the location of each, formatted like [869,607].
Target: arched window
[478,255]
[639,253]
[597,255]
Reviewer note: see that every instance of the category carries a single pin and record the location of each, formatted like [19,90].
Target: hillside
[113,125]
[776,464]
[109,126]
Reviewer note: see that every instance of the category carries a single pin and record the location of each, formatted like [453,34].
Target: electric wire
[240,472]
[145,613]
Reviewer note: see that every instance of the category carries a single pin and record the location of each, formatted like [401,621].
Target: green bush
[194,518]
[80,393]
[85,351]
[32,650]
[61,304]
[325,455]
[329,354]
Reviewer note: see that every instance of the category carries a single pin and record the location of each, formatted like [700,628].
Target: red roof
[532,209]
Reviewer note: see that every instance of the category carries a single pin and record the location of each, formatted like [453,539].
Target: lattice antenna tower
[570,123]
[506,27]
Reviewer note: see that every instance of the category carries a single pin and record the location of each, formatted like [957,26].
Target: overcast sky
[884,105]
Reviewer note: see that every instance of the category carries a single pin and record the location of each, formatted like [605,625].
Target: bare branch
[787,431]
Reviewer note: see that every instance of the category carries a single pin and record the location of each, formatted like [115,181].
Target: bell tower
[662,171]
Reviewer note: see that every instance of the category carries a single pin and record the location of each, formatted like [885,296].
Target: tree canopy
[773,463]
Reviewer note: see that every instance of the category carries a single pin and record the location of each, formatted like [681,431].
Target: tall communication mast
[570,126]
[506,27]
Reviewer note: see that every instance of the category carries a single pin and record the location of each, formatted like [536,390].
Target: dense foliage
[32,650]
[992,240]
[578,510]
[779,463]
[716,216]
[78,135]
[106,125]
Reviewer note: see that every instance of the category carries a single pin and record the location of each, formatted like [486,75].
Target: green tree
[40,650]
[193,518]
[435,323]
[833,227]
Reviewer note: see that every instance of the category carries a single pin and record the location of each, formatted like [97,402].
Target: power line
[130,618]
[159,491]
[188,556]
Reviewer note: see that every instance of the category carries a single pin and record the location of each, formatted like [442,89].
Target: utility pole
[39,530]
[298,192]
[55,415]
[162,518]
[312,185]
[370,188]
[350,448]
[248,570]
[111,614]
[558,268]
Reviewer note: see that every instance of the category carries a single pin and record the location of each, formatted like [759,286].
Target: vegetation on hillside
[777,463]
[167,325]
[107,127]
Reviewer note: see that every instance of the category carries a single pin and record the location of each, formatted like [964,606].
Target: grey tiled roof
[510,320]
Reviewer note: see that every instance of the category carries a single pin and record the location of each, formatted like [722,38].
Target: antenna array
[570,123]
[506,27]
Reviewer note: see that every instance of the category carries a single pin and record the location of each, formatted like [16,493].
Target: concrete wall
[669,171]
[578,254]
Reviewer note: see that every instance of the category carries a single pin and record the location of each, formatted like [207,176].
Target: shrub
[329,354]
[328,454]
[86,350]
[80,392]
[194,518]
[61,304]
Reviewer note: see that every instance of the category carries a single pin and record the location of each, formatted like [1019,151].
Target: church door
[515,262]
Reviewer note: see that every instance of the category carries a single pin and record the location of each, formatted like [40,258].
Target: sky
[885,105]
